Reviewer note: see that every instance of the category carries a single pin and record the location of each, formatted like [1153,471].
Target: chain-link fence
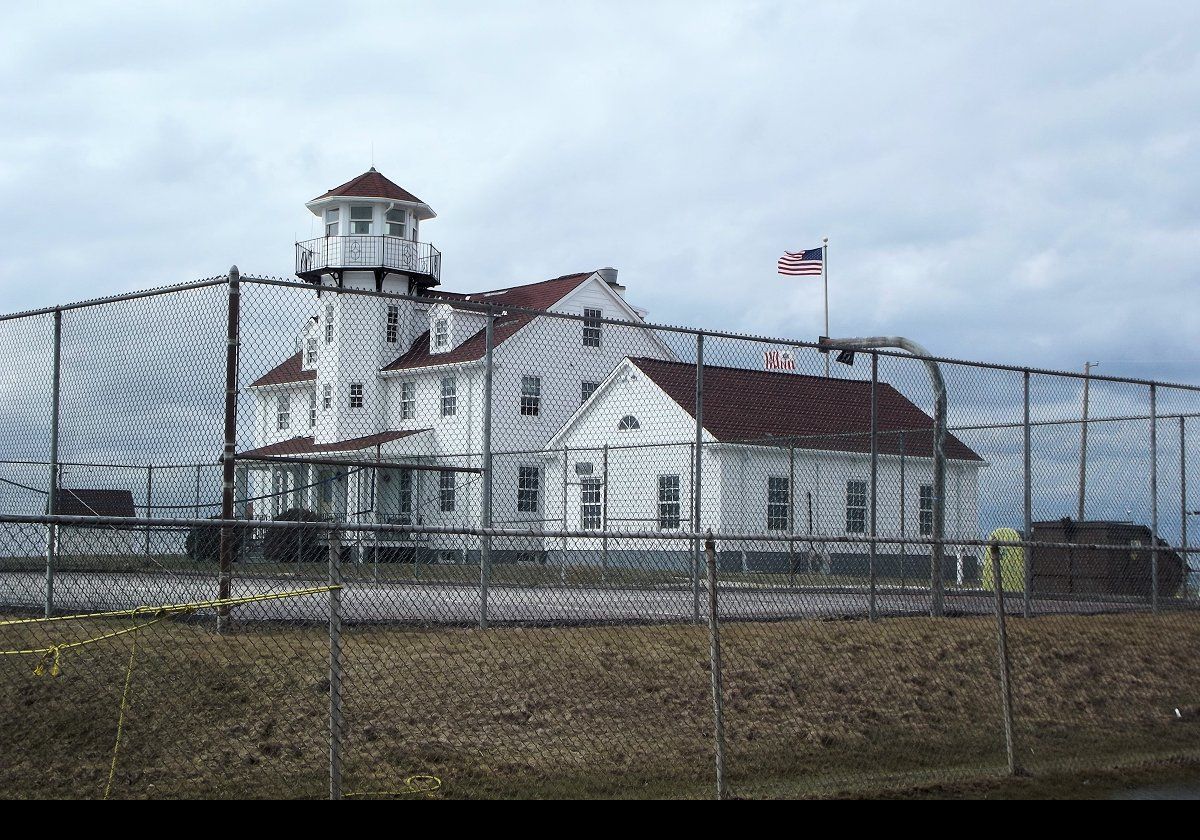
[269,538]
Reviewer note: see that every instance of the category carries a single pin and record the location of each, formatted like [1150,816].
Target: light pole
[936,606]
[1087,378]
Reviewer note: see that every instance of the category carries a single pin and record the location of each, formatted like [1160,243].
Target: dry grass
[812,707]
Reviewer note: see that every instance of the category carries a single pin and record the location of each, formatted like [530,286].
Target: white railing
[368,252]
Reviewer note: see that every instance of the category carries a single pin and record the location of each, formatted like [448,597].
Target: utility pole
[1087,378]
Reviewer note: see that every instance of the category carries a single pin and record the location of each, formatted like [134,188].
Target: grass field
[812,708]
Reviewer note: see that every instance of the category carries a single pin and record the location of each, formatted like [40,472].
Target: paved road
[456,604]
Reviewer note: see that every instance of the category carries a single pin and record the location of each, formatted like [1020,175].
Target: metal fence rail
[461,546]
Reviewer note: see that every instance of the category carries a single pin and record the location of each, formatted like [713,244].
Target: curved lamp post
[937,599]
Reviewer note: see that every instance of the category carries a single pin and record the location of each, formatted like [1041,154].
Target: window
[310,352]
[628,423]
[528,484]
[327,397]
[393,324]
[586,389]
[589,503]
[408,400]
[329,324]
[856,507]
[331,222]
[356,395]
[441,334]
[312,409]
[446,490]
[531,395]
[360,220]
[925,511]
[778,507]
[668,502]
[449,396]
[404,496]
[395,223]
[283,412]
[591,327]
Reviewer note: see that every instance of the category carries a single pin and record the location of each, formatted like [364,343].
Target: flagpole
[825,280]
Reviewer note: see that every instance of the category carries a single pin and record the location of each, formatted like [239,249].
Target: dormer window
[396,225]
[331,221]
[310,352]
[441,334]
[329,324]
[360,220]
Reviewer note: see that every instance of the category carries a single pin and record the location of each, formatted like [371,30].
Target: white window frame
[779,503]
[856,506]
[283,412]
[628,423]
[390,223]
[449,396]
[332,221]
[356,222]
[441,333]
[446,491]
[529,485]
[925,510]
[531,396]
[329,323]
[592,327]
[591,504]
[408,400]
[312,408]
[670,508]
[310,351]
[326,396]
[392,328]
[356,396]
[586,389]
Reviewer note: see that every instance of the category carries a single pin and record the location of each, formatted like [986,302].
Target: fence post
[871,605]
[566,455]
[197,510]
[903,524]
[149,504]
[335,665]
[1027,551]
[232,340]
[52,497]
[485,513]
[792,515]
[1183,511]
[714,653]
[1153,498]
[1002,646]
[698,489]
[604,516]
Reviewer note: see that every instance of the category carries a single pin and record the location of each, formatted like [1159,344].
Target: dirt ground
[905,706]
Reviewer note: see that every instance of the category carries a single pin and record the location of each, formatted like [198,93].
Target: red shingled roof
[534,296]
[309,446]
[371,184]
[810,412]
[289,370]
[93,502]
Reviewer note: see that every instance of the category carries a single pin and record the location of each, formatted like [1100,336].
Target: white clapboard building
[377,416]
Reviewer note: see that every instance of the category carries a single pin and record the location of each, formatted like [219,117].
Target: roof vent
[609,276]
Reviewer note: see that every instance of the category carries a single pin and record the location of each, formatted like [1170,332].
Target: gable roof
[809,412]
[309,446]
[541,295]
[94,502]
[371,184]
[289,370]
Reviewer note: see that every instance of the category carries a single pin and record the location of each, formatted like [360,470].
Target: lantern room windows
[360,220]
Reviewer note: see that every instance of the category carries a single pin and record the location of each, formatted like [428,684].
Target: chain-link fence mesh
[465,545]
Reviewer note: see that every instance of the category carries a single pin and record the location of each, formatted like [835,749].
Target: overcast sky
[1015,182]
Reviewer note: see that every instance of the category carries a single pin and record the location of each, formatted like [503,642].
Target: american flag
[801,262]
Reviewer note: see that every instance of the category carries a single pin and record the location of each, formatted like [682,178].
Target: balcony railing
[337,253]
